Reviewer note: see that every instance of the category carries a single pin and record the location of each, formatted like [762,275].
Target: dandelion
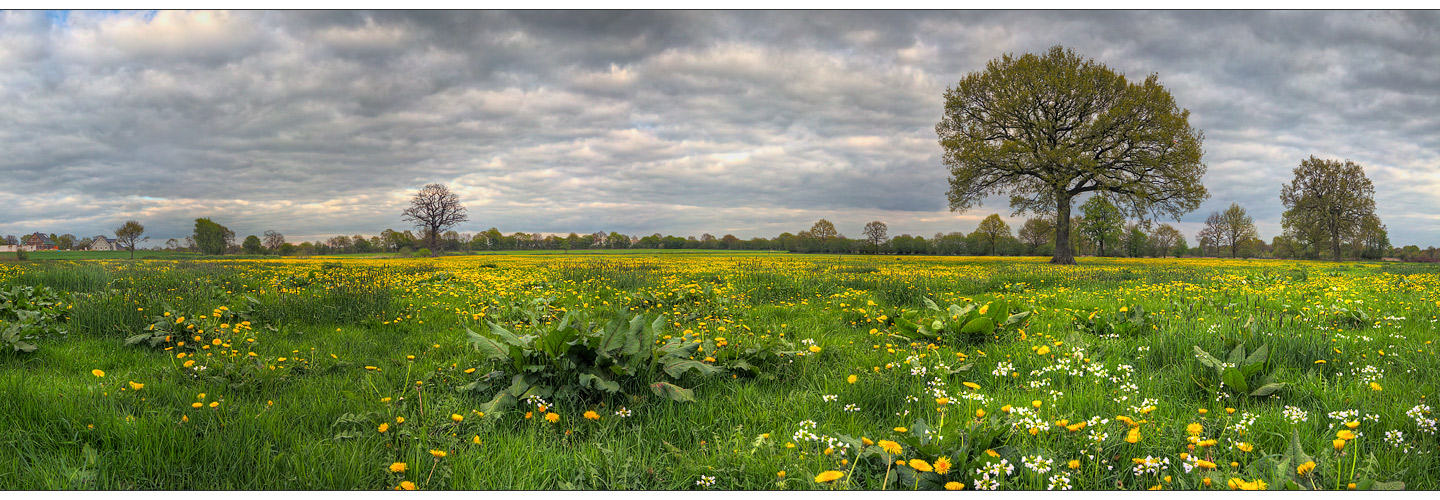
[980,413]
[954,486]
[901,429]
[214,404]
[1194,429]
[384,426]
[552,417]
[1245,447]
[971,385]
[815,348]
[866,441]
[942,465]
[1345,434]
[197,404]
[399,420]
[1036,403]
[1374,386]
[1305,468]
[399,467]
[407,485]
[920,465]
[437,453]
[780,474]
[891,447]
[851,379]
[1339,444]
[97,372]
[456,417]
[828,476]
[136,386]
[591,415]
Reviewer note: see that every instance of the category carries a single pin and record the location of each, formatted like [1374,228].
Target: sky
[316,124]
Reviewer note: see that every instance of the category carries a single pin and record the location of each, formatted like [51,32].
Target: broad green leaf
[1234,379]
[677,367]
[1237,356]
[1388,486]
[612,338]
[500,402]
[981,325]
[1017,317]
[672,391]
[136,339]
[505,335]
[1259,356]
[1206,359]
[491,348]
[634,339]
[1268,389]
[930,304]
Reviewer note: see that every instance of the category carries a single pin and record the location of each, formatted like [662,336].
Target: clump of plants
[969,324]
[1124,322]
[1239,372]
[28,313]
[577,357]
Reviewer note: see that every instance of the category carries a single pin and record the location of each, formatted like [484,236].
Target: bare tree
[875,232]
[1165,237]
[128,234]
[1036,232]
[273,239]
[435,209]
[1233,227]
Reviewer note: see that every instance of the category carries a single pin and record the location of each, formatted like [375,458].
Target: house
[38,241]
[103,243]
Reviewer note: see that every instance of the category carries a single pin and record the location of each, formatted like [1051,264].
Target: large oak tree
[1047,128]
[1327,198]
[434,209]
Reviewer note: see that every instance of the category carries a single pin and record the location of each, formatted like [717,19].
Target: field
[722,371]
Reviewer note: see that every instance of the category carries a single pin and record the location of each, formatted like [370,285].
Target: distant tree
[1137,243]
[1372,241]
[84,243]
[992,230]
[10,239]
[212,238]
[172,244]
[1166,237]
[1181,247]
[128,234]
[1036,232]
[252,245]
[435,209]
[1048,128]
[273,239]
[1233,227]
[823,230]
[190,244]
[65,241]
[1103,222]
[1328,197]
[875,233]
[617,241]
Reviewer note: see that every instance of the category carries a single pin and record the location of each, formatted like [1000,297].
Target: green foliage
[1241,373]
[971,324]
[212,238]
[578,357]
[28,313]
[1126,322]
[424,252]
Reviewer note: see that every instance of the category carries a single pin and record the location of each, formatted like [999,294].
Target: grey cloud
[322,123]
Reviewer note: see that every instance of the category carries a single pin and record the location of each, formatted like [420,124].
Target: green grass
[312,421]
[107,254]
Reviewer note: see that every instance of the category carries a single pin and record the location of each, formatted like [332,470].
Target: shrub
[424,252]
[27,313]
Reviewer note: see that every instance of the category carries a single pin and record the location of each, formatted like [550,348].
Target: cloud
[751,123]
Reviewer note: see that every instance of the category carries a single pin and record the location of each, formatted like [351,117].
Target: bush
[21,255]
[424,252]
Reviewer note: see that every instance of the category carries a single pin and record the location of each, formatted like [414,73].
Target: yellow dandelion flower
[828,476]
[920,465]
[851,379]
[437,453]
[1305,468]
[196,404]
[136,386]
[1339,444]
[954,486]
[214,404]
[1073,464]
[971,385]
[97,372]
[891,447]
[942,465]
[399,420]
[1374,386]
[399,467]
[815,348]
[1194,429]
[866,441]
[407,485]
[552,417]
[1245,447]
[475,439]
[383,426]
[456,417]
[591,415]
[1345,434]
[980,413]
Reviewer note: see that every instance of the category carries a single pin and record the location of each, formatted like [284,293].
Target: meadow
[722,370]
